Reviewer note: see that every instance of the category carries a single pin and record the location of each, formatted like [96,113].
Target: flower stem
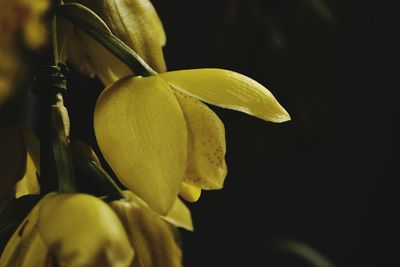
[56,163]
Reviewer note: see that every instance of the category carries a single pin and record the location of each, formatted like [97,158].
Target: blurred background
[326,179]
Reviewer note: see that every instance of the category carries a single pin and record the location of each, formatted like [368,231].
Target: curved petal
[137,24]
[105,65]
[82,230]
[152,238]
[29,183]
[180,216]
[190,192]
[206,167]
[228,89]
[141,132]
[72,48]
[26,243]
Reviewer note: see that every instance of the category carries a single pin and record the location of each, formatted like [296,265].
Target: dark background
[328,177]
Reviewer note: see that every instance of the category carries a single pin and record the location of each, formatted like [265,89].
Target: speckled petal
[206,166]
[228,89]
[141,131]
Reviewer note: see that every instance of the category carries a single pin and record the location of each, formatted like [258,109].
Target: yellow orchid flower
[155,134]
[19,163]
[82,230]
[153,239]
[135,22]
[79,230]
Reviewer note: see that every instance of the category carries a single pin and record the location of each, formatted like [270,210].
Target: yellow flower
[81,230]
[78,229]
[155,134]
[19,164]
[152,238]
[135,22]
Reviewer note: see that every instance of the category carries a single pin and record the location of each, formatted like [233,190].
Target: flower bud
[82,230]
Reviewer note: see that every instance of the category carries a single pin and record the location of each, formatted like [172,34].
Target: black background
[328,177]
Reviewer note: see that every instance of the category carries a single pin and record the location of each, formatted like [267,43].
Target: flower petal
[29,184]
[152,238]
[190,192]
[137,24]
[26,243]
[82,230]
[206,167]
[180,216]
[228,89]
[142,134]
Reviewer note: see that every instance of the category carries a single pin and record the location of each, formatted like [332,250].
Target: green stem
[87,21]
[56,59]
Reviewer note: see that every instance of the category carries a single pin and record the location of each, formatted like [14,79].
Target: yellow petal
[29,183]
[228,89]
[206,167]
[71,48]
[82,230]
[105,65]
[137,24]
[25,248]
[142,134]
[180,216]
[190,192]
[84,52]
[151,237]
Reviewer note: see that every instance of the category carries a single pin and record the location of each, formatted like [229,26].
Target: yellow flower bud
[82,230]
